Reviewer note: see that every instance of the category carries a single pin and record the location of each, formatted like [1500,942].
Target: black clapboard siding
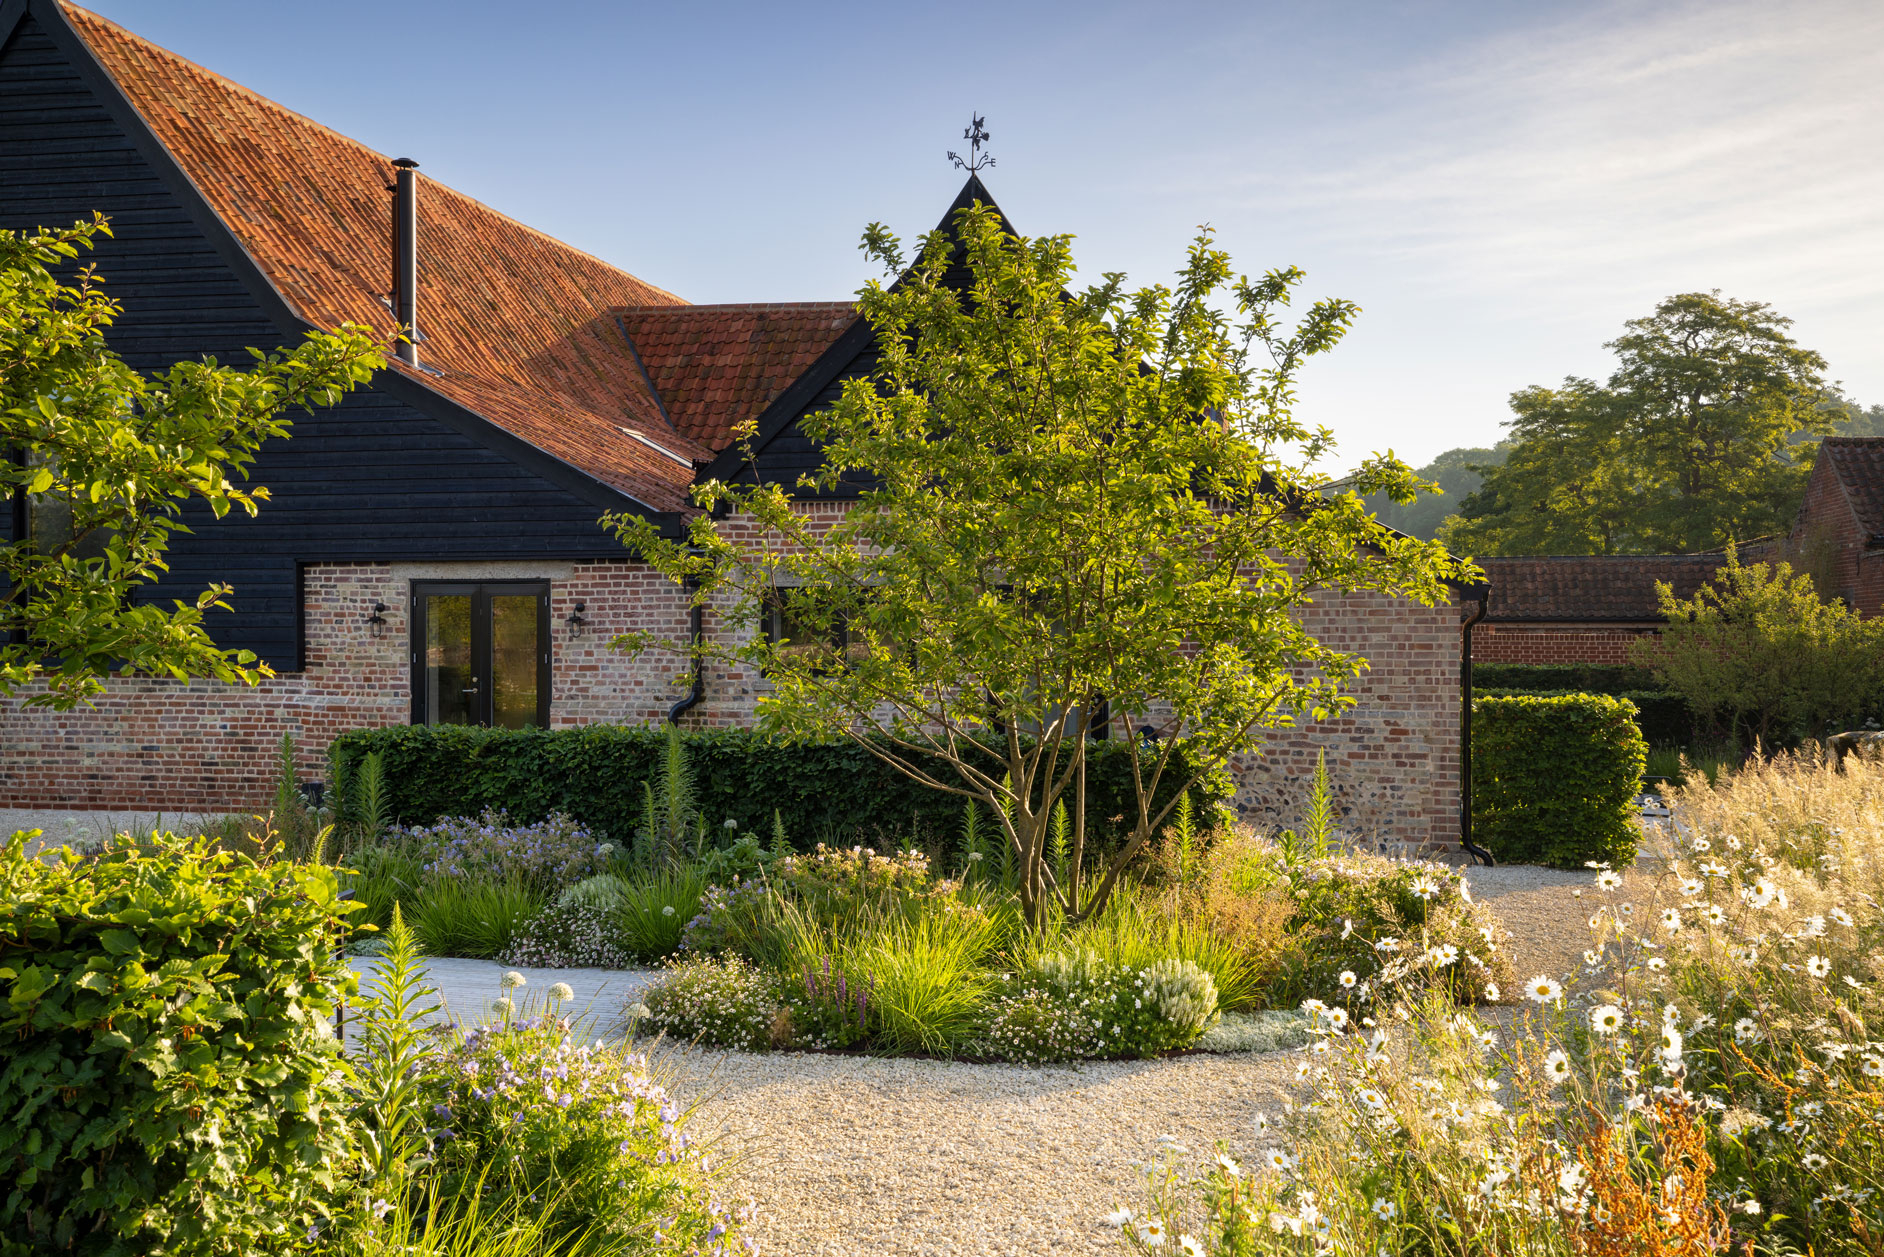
[371,479]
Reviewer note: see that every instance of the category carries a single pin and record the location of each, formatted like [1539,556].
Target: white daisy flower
[1279,1161]
[1385,1209]
[1747,1030]
[1840,915]
[1818,966]
[1228,1165]
[1671,921]
[1874,1067]
[1491,992]
[1543,990]
[1814,1161]
[1190,1247]
[1119,1217]
[1607,1019]
[1557,1066]
[1608,879]
[1348,978]
[1715,914]
[1151,1233]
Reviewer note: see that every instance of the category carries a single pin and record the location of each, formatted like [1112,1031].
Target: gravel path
[1549,924]
[866,1157]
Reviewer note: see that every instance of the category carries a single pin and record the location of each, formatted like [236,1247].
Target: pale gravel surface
[851,1156]
[1549,924]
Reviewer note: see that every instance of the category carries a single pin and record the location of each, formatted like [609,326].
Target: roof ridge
[302,119]
[746,305]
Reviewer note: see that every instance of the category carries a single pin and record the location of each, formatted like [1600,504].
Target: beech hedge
[834,792]
[1665,719]
[1554,778]
[169,1083]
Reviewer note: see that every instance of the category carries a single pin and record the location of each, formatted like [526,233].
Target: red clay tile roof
[714,366]
[519,323]
[1601,588]
[1859,462]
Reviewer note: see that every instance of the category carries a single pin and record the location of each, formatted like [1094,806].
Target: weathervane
[975,136]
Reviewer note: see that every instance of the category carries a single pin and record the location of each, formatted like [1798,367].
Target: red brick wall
[198,745]
[1518,643]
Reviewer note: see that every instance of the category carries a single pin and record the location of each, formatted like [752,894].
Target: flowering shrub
[569,935]
[1357,915]
[838,884]
[585,1128]
[1709,1079]
[1034,1026]
[831,1009]
[728,919]
[548,855]
[722,1000]
[1141,1012]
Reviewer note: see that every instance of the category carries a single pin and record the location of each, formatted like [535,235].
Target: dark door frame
[480,592]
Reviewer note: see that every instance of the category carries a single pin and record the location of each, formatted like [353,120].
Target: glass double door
[481,654]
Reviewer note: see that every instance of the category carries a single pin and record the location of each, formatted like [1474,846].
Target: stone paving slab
[467,987]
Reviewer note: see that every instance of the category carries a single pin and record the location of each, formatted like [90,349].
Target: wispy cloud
[1739,140]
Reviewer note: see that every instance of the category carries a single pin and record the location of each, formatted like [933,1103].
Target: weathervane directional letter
[976,137]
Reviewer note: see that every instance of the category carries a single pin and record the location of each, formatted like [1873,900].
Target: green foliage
[835,791]
[669,822]
[392,1050]
[379,877]
[105,458]
[1045,515]
[1554,779]
[1317,820]
[473,917]
[1454,476]
[375,810]
[1557,678]
[169,1083]
[656,908]
[1664,718]
[927,980]
[1133,1011]
[1692,443]
[1757,649]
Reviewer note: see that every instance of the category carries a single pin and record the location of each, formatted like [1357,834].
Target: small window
[794,636]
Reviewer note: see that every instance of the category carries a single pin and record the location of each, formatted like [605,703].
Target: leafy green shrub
[169,1083]
[1663,716]
[721,1000]
[583,1132]
[474,918]
[1554,779]
[598,774]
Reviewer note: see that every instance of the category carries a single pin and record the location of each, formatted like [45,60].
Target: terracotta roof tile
[715,366]
[1859,463]
[1601,588]
[519,323]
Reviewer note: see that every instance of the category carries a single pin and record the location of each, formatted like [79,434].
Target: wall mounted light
[376,622]
[575,620]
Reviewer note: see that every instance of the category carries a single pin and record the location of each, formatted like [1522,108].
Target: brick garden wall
[198,745]
[1520,643]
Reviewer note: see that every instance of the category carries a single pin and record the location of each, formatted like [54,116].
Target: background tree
[1758,650]
[1694,441]
[99,459]
[1457,473]
[1070,501]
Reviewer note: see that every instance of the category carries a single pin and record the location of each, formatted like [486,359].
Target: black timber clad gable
[374,479]
[782,452]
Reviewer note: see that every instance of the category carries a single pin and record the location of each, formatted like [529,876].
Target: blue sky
[1499,186]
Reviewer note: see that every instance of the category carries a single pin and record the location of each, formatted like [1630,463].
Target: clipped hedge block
[825,792]
[1554,778]
[1664,718]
